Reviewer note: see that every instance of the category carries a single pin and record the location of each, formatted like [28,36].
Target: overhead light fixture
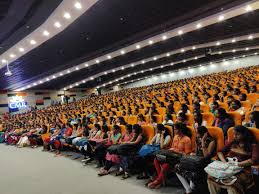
[161,66]
[155,58]
[142,71]
[182,50]
[218,43]
[60,74]
[109,57]
[143,61]
[248,8]
[78,5]
[193,48]
[67,15]
[84,81]
[97,61]
[21,49]
[113,70]
[220,52]
[132,65]
[92,78]
[68,71]
[180,32]
[199,25]
[250,37]
[122,68]
[86,65]
[105,73]
[4,61]
[184,60]
[57,24]
[247,48]
[47,79]
[150,42]
[255,53]
[53,76]
[168,54]
[151,69]
[138,46]
[45,33]
[172,64]
[12,55]
[122,52]
[77,68]
[233,50]
[33,42]
[221,18]
[164,37]
[41,82]
[233,40]
[195,58]
[77,84]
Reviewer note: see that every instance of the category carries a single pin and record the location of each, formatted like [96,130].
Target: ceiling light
[41,82]
[105,73]
[57,24]
[172,64]
[68,71]
[218,43]
[155,58]
[129,75]
[182,50]
[143,61]
[4,61]
[86,65]
[117,80]
[122,52]
[195,58]
[109,57]
[221,18]
[21,49]
[248,8]
[151,69]
[77,68]
[61,74]
[150,42]
[138,46]
[12,55]
[65,88]
[234,57]
[113,70]
[132,65]
[97,61]
[193,48]
[77,84]
[110,82]
[243,56]
[180,32]
[78,5]
[70,86]
[122,68]
[92,78]
[34,84]
[184,60]
[142,71]
[247,48]
[168,54]
[83,81]
[199,25]
[255,53]
[47,79]
[45,33]
[233,40]
[33,42]
[162,66]
[53,76]
[233,50]
[220,52]
[164,37]
[250,37]
[135,73]
[67,15]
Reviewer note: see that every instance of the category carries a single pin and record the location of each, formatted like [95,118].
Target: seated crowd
[213,116]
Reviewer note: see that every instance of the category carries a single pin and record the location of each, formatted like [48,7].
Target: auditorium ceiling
[112,41]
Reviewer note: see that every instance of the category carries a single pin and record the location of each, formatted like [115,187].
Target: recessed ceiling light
[77,68]
[193,48]
[97,61]
[172,64]
[57,24]
[199,25]
[122,52]
[109,57]
[47,79]
[122,68]
[142,71]
[155,58]
[168,54]
[255,53]
[117,80]
[77,84]
[164,37]
[105,73]
[247,48]
[104,85]
[221,18]
[4,61]
[162,66]
[33,42]
[220,52]
[86,65]
[21,49]
[67,15]
[91,78]
[129,75]
[65,88]
[61,74]
[151,69]
[248,8]
[12,55]
[150,42]
[78,5]
[68,71]
[218,43]
[132,65]
[138,46]
[41,82]
[233,50]
[135,73]
[34,84]
[184,60]
[45,33]
[182,50]
[233,40]
[83,81]
[243,56]
[180,32]
[110,82]
[250,37]
[113,70]
[53,76]
[143,61]
[70,86]
[195,58]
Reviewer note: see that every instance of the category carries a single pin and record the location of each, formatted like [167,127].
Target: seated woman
[78,135]
[48,143]
[184,109]
[120,121]
[213,107]
[111,156]
[237,107]
[182,118]
[223,120]
[253,120]
[161,140]
[245,149]
[206,147]
[181,144]
[141,120]
[198,121]
[152,121]
[35,138]
[129,148]
[196,107]
[168,120]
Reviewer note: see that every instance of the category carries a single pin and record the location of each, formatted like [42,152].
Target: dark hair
[137,128]
[184,107]
[248,137]
[142,117]
[160,127]
[202,130]
[129,128]
[183,128]
[97,126]
[116,128]
[105,128]
[222,113]
[199,118]
[255,118]
[183,115]
[153,118]
[169,116]
[122,120]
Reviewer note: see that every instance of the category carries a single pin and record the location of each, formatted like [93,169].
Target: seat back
[161,110]
[252,97]
[149,132]
[208,117]
[255,132]
[217,133]
[132,120]
[236,117]
[159,119]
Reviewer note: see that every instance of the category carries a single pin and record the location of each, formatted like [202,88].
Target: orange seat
[217,133]
[172,115]
[147,118]
[141,111]
[159,119]
[205,108]
[246,105]
[223,105]
[252,97]
[208,117]
[149,132]
[132,120]
[161,110]
[123,129]
[190,119]
[236,117]
[255,132]
[193,138]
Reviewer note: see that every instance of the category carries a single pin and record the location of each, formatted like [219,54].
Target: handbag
[221,170]
[168,156]
[193,163]
[148,149]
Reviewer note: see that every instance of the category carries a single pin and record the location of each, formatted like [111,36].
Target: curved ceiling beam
[65,14]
